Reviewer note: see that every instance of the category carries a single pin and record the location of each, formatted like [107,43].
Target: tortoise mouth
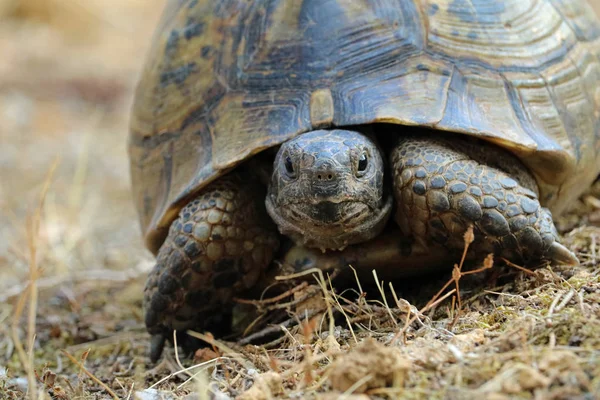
[330,224]
[342,214]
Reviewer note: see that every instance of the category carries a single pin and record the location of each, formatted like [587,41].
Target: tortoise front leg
[218,247]
[444,184]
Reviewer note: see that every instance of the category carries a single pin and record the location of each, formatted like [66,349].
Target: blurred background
[67,73]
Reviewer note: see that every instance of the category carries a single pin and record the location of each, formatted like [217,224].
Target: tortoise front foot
[443,185]
[218,247]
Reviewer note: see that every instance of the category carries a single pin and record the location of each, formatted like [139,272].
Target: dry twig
[92,376]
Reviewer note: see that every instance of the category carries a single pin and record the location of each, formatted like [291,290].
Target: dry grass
[72,265]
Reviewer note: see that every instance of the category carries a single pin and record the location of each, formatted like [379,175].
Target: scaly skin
[442,185]
[323,196]
[218,247]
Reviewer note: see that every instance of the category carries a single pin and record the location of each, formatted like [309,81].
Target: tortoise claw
[157,344]
[560,255]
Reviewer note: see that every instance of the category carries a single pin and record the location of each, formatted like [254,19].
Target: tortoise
[356,130]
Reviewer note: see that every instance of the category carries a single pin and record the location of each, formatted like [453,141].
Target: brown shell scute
[225,80]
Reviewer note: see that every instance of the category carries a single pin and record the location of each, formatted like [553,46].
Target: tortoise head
[327,189]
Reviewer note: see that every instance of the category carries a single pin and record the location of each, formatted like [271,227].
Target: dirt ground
[72,264]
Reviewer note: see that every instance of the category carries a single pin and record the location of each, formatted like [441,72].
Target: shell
[227,79]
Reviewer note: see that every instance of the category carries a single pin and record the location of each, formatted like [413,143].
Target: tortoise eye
[289,167]
[363,162]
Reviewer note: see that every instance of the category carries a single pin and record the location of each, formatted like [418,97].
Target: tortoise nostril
[325,177]
[324,172]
